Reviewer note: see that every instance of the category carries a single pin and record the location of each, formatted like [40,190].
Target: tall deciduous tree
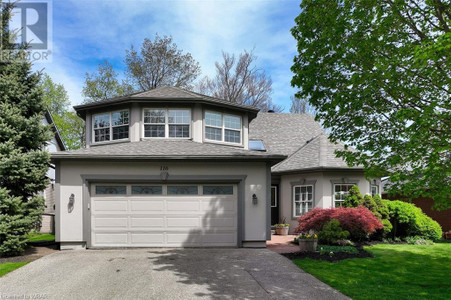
[301,106]
[378,75]
[239,80]
[55,95]
[70,126]
[104,84]
[23,137]
[160,62]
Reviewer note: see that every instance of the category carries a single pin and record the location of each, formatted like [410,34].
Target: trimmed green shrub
[409,220]
[354,198]
[332,232]
[373,204]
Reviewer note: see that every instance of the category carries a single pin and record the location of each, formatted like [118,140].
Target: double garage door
[162,215]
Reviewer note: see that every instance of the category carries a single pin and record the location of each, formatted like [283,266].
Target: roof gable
[166,94]
[301,138]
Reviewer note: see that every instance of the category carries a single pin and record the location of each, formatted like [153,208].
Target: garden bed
[336,256]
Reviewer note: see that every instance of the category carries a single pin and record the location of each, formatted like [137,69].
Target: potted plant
[282,228]
[308,242]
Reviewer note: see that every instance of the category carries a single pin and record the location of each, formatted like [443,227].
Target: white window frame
[333,195]
[110,115]
[223,128]
[377,189]
[300,199]
[166,123]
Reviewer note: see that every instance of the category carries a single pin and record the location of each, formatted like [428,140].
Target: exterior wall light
[71,199]
[254,199]
[70,205]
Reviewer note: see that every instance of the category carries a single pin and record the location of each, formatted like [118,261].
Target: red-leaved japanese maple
[359,221]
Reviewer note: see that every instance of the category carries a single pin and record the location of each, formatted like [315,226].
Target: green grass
[9,266]
[396,271]
[40,237]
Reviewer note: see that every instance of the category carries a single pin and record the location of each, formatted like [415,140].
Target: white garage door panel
[110,238]
[110,205]
[101,222]
[127,220]
[182,206]
[144,222]
[147,205]
[182,222]
[147,238]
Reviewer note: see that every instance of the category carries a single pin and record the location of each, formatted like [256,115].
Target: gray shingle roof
[283,133]
[316,154]
[165,149]
[165,93]
[301,138]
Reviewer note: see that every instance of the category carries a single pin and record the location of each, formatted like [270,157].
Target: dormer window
[167,123]
[110,126]
[222,127]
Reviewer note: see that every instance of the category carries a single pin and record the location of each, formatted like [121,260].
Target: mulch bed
[31,253]
[336,257]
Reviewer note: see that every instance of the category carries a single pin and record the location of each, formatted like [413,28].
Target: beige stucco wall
[69,225]
[323,189]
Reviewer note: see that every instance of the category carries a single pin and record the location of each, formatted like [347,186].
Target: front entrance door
[274,205]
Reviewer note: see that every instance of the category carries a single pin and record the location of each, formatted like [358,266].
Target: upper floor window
[341,191]
[222,127]
[163,123]
[111,126]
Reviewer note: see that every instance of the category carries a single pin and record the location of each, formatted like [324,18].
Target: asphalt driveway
[164,274]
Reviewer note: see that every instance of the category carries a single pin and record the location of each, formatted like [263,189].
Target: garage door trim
[91,179]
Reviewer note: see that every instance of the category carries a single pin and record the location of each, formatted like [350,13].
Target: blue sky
[87,32]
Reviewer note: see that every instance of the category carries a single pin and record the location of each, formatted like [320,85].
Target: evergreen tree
[354,198]
[23,137]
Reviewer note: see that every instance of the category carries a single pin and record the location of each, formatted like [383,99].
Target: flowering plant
[308,236]
[282,224]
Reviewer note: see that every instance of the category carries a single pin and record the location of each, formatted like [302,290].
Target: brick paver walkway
[282,244]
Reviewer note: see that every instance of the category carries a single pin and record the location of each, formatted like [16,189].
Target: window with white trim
[223,127]
[341,191]
[374,190]
[302,199]
[110,126]
[167,123]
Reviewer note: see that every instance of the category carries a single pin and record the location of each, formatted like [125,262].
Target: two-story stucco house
[173,168]
[167,168]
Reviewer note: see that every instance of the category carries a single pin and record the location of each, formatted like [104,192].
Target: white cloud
[87,32]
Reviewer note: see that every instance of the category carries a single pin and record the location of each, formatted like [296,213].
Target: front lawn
[41,237]
[10,266]
[396,271]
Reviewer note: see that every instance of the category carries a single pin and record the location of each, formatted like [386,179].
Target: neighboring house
[173,168]
[443,217]
[312,176]
[54,145]
[164,168]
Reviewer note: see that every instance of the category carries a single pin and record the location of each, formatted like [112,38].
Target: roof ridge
[308,142]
